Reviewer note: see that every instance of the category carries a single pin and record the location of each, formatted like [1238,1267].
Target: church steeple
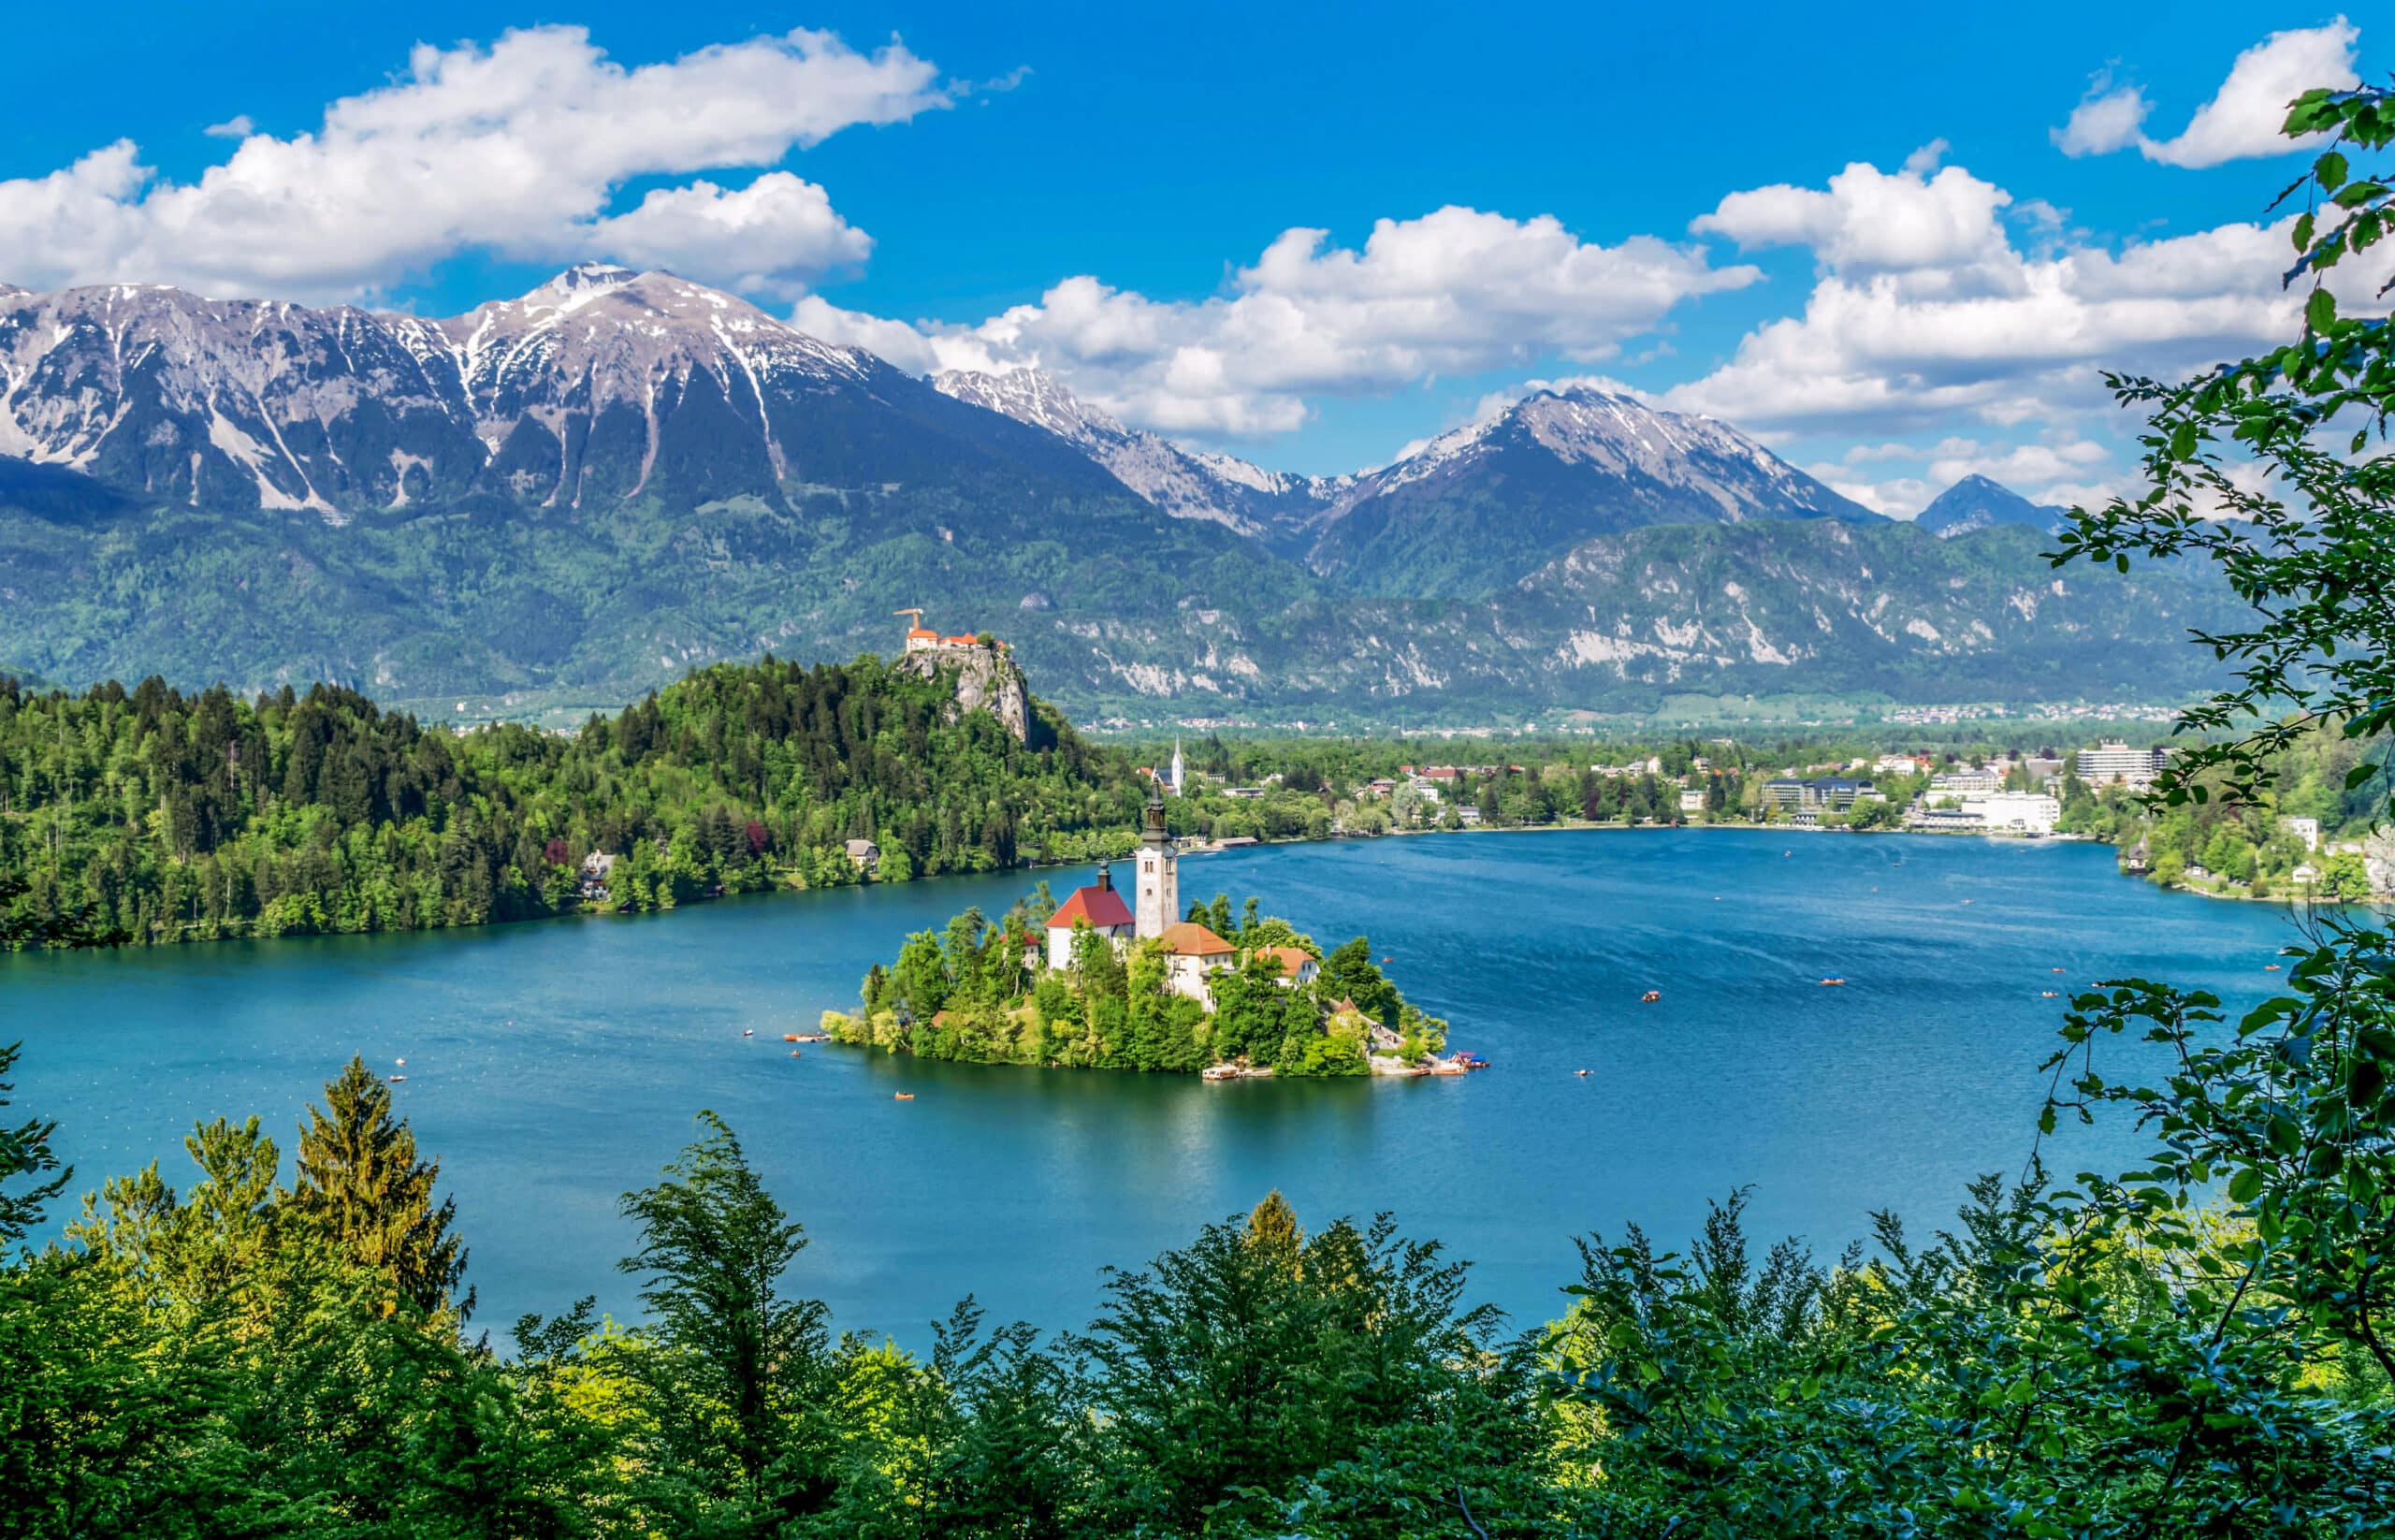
[1159,895]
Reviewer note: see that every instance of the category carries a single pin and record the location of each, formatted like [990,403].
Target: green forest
[152,816]
[966,993]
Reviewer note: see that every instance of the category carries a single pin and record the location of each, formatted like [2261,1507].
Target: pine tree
[361,1182]
[1272,1229]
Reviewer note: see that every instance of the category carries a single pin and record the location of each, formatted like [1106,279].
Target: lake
[553,1066]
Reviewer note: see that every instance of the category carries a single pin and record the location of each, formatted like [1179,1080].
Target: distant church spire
[1176,765]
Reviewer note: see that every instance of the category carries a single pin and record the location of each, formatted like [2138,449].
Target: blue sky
[1159,152]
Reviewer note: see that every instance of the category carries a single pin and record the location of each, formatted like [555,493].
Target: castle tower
[1159,894]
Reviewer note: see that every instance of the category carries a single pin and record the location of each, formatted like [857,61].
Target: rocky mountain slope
[1268,505]
[1469,512]
[600,386]
[1975,502]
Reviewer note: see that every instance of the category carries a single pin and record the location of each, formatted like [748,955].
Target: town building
[2014,812]
[1193,954]
[1692,800]
[1820,794]
[2304,829]
[865,855]
[2116,761]
[1099,907]
[1965,782]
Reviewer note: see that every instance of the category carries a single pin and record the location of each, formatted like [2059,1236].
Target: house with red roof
[1192,955]
[1099,907]
[1297,966]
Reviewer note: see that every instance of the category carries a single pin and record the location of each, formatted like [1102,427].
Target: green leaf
[2329,170]
[2245,1186]
[2321,311]
[2303,232]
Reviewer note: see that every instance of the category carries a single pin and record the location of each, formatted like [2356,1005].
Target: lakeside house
[1193,955]
[865,855]
[1299,966]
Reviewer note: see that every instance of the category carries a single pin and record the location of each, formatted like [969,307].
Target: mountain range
[567,498]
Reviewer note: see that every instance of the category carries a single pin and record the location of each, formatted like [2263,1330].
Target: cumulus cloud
[2243,118]
[1937,224]
[1456,291]
[519,148]
[1925,312]
[238,126]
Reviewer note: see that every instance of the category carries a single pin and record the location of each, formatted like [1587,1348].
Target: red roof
[1293,959]
[923,632]
[1188,938]
[1097,907]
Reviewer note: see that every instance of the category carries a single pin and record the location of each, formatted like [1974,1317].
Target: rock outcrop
[985,679]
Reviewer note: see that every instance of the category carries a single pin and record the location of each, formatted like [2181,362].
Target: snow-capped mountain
[601,383]
[1473,509]
[1483,506]
[1975,503]
[1185,483]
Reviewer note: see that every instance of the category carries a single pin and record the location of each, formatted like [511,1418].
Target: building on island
[1099,907]
[1192,955]
[1297,966]
[2116,761]
[1157,896]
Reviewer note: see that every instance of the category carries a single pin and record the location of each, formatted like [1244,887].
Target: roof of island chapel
[1099,906]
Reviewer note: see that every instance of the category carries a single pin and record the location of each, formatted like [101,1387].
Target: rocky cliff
[985,679]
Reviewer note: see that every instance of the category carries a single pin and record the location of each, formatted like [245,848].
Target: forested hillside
[155,816]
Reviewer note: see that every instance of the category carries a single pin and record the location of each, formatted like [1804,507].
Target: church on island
[1193,953]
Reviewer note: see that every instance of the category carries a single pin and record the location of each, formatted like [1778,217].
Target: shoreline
[1572,826]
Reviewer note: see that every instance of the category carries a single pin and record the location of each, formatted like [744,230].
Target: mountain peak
[1976,501]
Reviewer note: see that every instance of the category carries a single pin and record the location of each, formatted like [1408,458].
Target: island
[1110,980]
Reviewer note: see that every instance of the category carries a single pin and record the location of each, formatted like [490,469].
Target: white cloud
[238,126]
[766,238]
[2243,117]
[1925,312]
[1937,224]
[518,148]
[1456,291]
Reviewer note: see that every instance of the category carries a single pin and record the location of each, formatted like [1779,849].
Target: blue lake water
[553,1066]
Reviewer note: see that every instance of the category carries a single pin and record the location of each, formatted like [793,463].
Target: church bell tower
[1159,894]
